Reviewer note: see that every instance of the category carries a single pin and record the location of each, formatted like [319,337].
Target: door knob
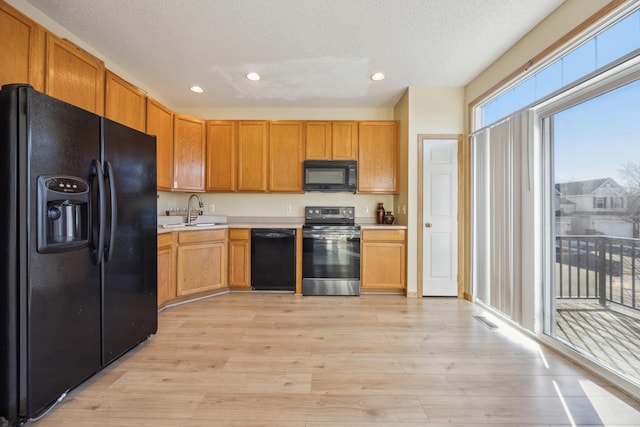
[428,225]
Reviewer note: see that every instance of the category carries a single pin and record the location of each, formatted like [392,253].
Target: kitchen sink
[184,224]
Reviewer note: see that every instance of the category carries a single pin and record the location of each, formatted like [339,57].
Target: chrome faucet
[200,204]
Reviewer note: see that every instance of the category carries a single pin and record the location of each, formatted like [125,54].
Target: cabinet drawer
[165,239]
[383,235]
[186,237]
[239,233]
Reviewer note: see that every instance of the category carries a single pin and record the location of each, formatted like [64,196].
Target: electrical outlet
[212,207]
[288,209]
[365,210]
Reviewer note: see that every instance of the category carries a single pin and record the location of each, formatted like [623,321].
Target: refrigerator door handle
[110,176]
[97,251]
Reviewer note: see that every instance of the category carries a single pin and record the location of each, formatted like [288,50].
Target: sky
[594,139]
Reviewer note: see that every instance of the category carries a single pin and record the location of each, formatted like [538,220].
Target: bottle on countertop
[380,213]
[389,218]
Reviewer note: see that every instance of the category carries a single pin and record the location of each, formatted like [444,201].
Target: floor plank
[267,360]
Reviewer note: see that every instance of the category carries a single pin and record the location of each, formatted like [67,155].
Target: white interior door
[440,215]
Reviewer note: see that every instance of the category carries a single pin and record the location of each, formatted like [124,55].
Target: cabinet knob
[428,225]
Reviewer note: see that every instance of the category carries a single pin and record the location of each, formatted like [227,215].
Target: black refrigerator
[78,247]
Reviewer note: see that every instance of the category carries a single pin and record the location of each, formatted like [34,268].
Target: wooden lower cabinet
[166,268]
[190,262]
[240,258]
[383,260]
[201,261]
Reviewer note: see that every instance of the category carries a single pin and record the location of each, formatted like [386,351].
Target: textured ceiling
[310,53]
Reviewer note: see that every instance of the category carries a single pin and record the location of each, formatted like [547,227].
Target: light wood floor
[291,361]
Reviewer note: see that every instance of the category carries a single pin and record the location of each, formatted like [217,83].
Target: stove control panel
[329,214]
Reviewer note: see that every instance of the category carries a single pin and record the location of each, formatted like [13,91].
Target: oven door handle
[325,237]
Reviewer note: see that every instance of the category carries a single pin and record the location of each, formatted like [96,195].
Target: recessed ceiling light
[254,77]
[196,89]
[377,76]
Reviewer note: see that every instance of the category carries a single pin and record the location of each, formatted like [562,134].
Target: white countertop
[167,224]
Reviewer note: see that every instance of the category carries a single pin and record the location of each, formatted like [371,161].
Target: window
[555,219]
[597,52]
[593,256]
[617,203]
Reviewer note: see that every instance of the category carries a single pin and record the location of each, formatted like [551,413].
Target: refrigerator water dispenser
[63,213]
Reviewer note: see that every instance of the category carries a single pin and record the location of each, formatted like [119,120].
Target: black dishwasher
[273,259]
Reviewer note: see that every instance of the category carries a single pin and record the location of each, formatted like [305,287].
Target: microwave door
[330,176]
[319,176]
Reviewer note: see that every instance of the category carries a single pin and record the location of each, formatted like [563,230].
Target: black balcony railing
[598,267]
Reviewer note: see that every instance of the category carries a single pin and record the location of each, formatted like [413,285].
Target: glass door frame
[613,78]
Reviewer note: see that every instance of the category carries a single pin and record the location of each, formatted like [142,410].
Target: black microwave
[330,175]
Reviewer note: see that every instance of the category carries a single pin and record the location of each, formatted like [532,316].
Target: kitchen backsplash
[274,204]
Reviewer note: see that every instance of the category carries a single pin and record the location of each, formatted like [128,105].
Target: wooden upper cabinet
[124,103]
[22,49]
[331,140]
[378,157]
[188,153]
[286,154]
[74,76]
[160,124]
[317,140]
[221,155]
[252,155]
[344,142]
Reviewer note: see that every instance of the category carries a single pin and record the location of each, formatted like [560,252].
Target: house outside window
[617,203]
[600,202]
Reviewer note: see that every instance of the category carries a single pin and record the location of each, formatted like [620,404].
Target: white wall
[431,110]
[401,113]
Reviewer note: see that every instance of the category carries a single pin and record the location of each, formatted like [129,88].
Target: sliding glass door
[592,302]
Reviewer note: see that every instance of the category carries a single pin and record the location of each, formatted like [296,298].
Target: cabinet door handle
[428,225]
